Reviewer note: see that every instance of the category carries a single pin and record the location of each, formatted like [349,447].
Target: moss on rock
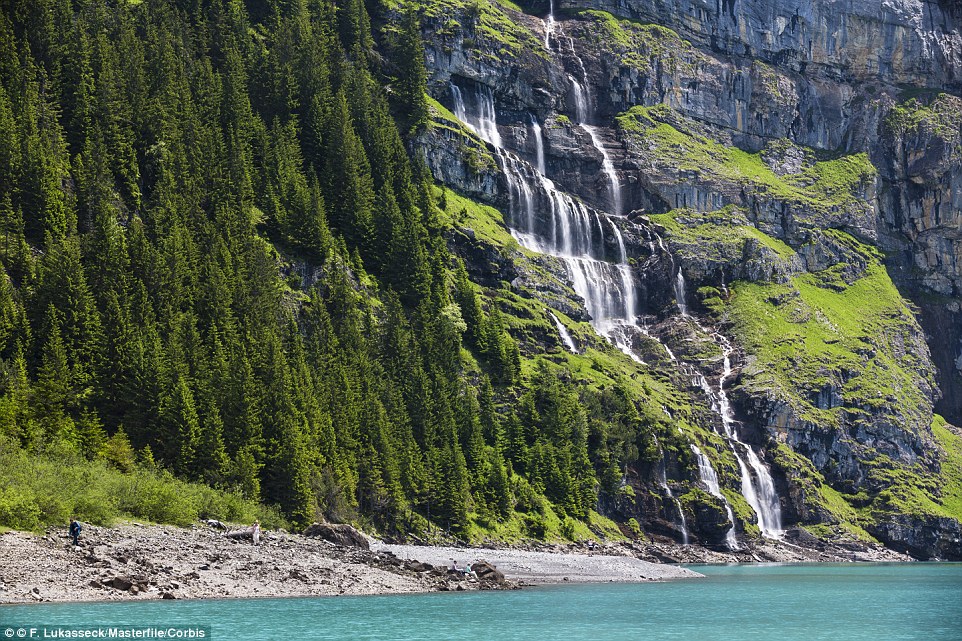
[681,144]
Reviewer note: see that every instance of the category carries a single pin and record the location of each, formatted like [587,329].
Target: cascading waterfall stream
[539,145]
[582,109]
[549,26]
[758,488]
[608,167]
[546,220]
[564,333]
[757,484]
[575,234]
[682,522]
[710,478]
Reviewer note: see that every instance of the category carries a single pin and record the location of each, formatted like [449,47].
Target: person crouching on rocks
[75,529]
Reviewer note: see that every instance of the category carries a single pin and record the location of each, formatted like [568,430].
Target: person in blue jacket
[75,528]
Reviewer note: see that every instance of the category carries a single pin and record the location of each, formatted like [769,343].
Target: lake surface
[844,602]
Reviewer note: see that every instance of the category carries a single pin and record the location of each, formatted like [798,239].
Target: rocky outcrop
[919,157]
[459,158]
[339,534]
[487,572]
[927,538]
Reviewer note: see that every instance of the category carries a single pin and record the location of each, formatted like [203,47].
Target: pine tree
[183,450]
[412,75]
[58,393]
[348,189]
[467,299]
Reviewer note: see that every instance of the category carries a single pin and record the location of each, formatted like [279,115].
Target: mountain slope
[787,193]
[471,269]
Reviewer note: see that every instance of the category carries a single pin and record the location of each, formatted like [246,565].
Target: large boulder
[487,572]
[338,534]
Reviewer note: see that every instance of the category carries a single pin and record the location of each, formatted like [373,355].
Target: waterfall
[564,333]
[539,144]
[549,26]
[608,167]
[757,484]
[710,479]
[546,220]
[582,107]
[680,293]
[682,522]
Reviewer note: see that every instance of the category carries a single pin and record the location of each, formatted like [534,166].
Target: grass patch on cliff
[818,496]
[806,339]
[37,490]
[639,45]
[916,491]
[950,440]
[941,117]
[678,143]
[485,221]
[718,236]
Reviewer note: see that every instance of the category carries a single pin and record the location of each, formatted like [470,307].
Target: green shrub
[18,510]
[534,526]
[528,499]
[46,489]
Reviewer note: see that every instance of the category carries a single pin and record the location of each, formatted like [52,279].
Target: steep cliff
[757,203]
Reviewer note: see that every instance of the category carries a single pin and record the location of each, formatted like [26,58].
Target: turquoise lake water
[780,602]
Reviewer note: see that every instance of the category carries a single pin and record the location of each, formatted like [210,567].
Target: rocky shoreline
[163,562]
[135,561]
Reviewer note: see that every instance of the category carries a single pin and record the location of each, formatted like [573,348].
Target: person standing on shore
[75,529]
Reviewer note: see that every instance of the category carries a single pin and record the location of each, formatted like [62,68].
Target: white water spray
[549,26]
[757,484]
[549,221]
[710,478]
[680,293]
[564,333]
[614,186]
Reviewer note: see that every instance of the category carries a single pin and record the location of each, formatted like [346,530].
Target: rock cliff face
[914,42]
[778,183]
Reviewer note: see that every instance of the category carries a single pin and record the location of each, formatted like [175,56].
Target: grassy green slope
[678,144]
